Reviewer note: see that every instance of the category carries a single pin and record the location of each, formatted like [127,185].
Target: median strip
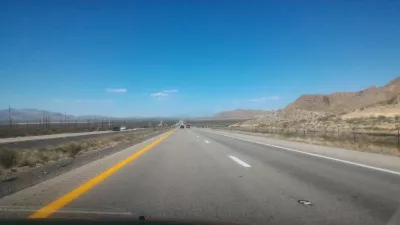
[51,208]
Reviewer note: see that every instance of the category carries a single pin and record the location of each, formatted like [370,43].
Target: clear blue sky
[109,57]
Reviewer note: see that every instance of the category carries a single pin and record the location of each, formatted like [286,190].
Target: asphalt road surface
[199,174]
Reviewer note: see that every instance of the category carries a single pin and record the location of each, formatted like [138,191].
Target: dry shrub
[118,138]
[11,158]
[29,158]
[74,148]
[39,156]
[381,117]
[290,134]
[8,158]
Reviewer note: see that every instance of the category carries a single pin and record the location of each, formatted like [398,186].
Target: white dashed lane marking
[240,162]
[318,155]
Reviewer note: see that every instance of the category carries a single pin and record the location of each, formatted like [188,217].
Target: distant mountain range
[22,115]
[31,115]
[310,105]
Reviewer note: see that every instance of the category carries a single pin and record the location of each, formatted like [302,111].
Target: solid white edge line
[239,161]
[320,156]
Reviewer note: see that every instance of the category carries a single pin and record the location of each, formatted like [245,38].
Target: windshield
[249,112]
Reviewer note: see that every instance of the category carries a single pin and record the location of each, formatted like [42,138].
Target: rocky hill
[345,102]
[368,107]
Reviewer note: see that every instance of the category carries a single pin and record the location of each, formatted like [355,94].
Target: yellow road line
[51,208]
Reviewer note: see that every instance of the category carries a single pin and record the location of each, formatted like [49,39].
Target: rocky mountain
[336,108]
[345,102]
[238,114]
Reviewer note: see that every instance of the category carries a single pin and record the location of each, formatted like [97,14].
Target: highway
[201,174]
[56,136]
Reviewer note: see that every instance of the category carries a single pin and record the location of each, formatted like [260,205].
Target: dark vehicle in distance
[182,126]
[121,128]
[116,129]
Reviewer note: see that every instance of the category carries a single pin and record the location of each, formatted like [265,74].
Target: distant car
[182,126]
[120,128]
[187,125]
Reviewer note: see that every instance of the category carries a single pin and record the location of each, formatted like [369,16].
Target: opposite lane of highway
[54,136]
[187,178]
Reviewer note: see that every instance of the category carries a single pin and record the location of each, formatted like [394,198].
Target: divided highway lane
[196,174]
[341,193]
[54,136]
[54,139]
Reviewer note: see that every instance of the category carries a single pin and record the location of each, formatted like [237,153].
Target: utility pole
[65,117]
[9,115]
[47,121]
